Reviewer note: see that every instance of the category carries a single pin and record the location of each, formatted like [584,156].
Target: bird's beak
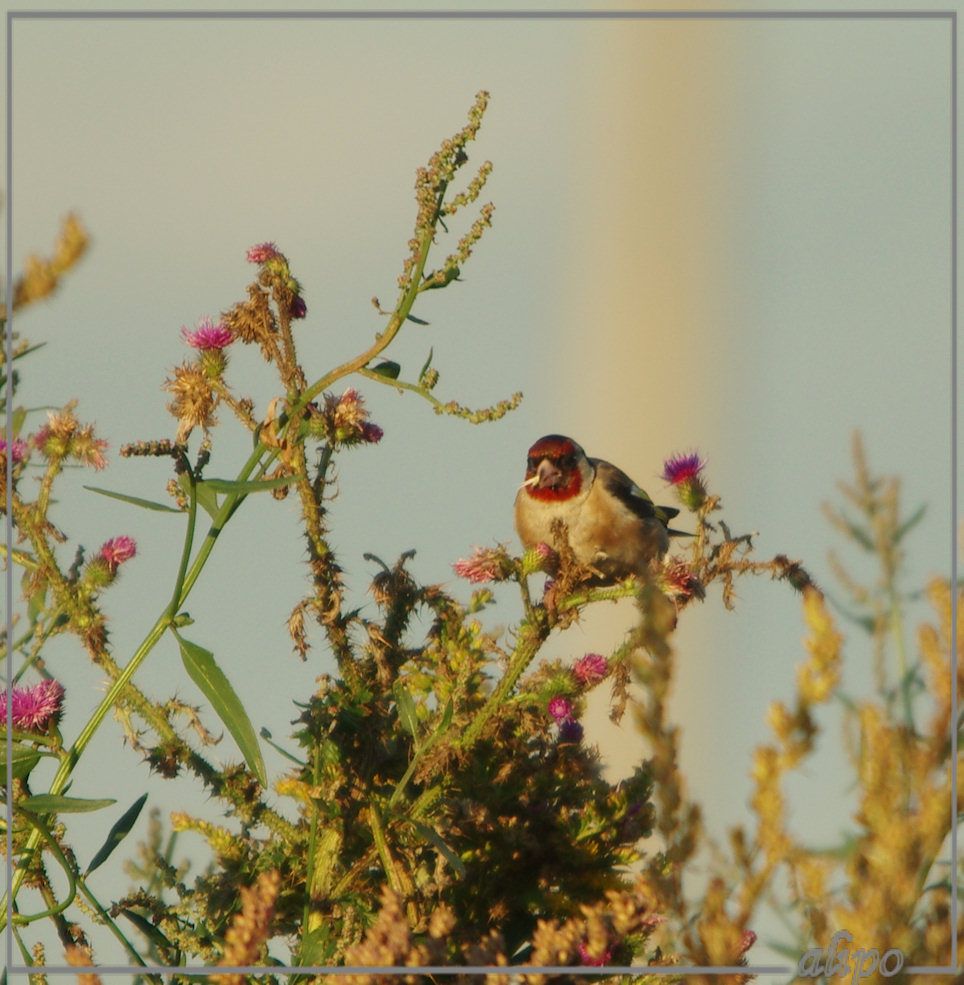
[547,475]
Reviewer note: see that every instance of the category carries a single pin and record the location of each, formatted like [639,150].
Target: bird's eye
[566,462]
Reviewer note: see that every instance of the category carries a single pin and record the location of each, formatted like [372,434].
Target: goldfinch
[613,525]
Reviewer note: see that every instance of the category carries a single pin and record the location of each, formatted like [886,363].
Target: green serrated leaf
[25,758]
[248,486]
[117,833]
[204,671]
[406,709]
[147,504]
[49,803]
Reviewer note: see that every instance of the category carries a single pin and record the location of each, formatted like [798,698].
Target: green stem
[531,639]
[186,580]
[424,239]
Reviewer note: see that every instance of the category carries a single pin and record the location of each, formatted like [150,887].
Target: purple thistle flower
[117,550]
[683,472]
[560,708]
[484,565]
[262,252]
[590,669]
[570,730]
[208,335]
[35,706]
[17,451]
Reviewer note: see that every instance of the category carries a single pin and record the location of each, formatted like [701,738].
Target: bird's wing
[616,482]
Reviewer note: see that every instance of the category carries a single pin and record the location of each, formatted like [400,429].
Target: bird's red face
[552,469]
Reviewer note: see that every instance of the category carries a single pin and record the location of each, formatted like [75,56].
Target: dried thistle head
[193,400]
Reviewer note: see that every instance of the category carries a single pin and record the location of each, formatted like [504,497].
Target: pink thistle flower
[18,450]
[588,959]
[371,433]
[679,582]
[560,708]
[348,421]
[34,707]
[590,669]
[747,941]
[485,564]
[116,551]
[208,335]
[684,473]
[262,252]
[679,468]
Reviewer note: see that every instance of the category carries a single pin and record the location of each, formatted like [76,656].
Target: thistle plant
[441,804]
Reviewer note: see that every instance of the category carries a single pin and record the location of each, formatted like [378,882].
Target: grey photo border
[949,15]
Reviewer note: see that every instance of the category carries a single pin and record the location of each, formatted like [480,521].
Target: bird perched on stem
[613,526]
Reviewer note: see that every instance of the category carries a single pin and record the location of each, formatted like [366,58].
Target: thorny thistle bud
[62,437]
[102,569]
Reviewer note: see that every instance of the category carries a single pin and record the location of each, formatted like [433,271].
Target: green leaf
[315,947]
[860,535]
[446,721]
[907,524]
[16,420]
[406,709]
[207,497]
[432,836]
[147,928]
[248,486]
[266,735]
[201,666]
[388,369]
[49,803]
[418,321]
[117,833]
[25,758]
[428,362]
[36,601]
[147,504]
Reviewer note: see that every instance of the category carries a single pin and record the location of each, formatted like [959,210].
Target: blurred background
[723,234]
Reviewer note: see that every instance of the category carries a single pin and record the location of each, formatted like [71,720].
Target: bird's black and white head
[557,470]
